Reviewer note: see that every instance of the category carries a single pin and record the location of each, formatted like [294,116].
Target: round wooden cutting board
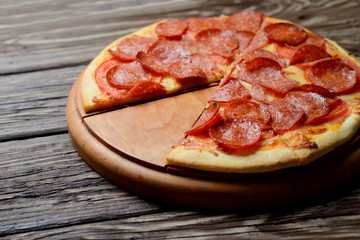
[128,146]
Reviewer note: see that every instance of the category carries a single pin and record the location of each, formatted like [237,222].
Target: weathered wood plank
[63,33]
[34,103]
[316,222]
[45,184]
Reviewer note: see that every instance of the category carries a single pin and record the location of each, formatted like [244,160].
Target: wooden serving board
[129,145]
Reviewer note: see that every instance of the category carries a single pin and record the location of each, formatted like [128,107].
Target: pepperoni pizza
[286,95]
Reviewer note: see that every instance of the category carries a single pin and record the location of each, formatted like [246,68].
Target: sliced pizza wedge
[220,141]
[290,97]
[164,58]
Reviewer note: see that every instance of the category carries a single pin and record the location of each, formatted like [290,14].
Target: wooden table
[48,191]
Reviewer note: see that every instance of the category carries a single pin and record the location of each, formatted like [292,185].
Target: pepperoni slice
[163,63]
[242,73]
[218,41]
[247,111]
[317,89]
[171,28]
[235,133]
[181,46]
[127,75]
[174,50]
[153,62]
[179,69]
[314,39]
[206,65]
[288,51]
[128,48]
[269,73]
[170,51]
[334,75]
[284,115]
[286,33]
[103,84]
[338,108]
[263,54]
[220,61]
[281,84]
[146,90]
[356,68]
[250,56]
[305,66]
[260,40]
[232,90]
[245,21]
[257,92]
[262,63]
[172,57]
[284,51]
[271,55]
[198,24]
[186,70]
[244,38]
[308,53]
[314,105]
[208,117]
[187,44]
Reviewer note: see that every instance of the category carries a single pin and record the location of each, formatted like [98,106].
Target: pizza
[159,60]
[285,96]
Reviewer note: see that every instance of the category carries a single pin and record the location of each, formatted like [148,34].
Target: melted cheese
[170,84]
[295,73]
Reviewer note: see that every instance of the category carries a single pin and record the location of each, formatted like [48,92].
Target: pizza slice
[162,59]
[290,97]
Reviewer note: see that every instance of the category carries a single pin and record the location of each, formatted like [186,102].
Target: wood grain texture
[34,103]
[185,224]
[35,192]
[48,192]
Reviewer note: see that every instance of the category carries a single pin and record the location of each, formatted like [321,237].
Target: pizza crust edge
[259,161]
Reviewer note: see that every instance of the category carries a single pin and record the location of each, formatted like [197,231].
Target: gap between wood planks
[29,136]
[82,63]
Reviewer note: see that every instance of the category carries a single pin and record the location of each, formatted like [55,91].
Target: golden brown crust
[268,157]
